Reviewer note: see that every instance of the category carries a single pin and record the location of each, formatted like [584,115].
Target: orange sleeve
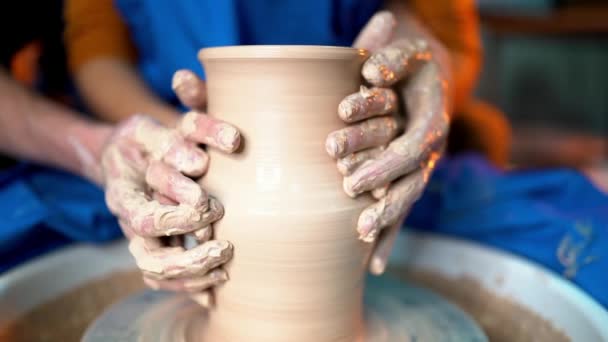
[456,24]
[95,29]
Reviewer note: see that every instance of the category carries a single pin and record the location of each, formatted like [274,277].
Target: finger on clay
[189,284]
[187,263]
[204,299]
[190,89]
[384,247]
[386,211]
[146,250]
[377,32]
[394,62]
[347,165]
[203,234]
[369,133]
[380,192]
[172,184]
[149,218]
[204,129]
[403,155]
[162,199]
[366,103]
[187,158]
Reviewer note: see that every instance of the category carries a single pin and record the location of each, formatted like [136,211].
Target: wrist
[87,140]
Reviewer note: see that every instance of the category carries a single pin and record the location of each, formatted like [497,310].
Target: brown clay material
[66,317]
[502,319]
[298,267]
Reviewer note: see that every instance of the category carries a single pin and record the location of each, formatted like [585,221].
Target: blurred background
[545,67]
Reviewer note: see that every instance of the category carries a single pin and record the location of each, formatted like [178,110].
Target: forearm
[40,130]
[114,90]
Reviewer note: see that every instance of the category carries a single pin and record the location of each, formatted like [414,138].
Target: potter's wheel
[394,311]
[57,297]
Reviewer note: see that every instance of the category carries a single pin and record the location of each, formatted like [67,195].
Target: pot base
[394,311]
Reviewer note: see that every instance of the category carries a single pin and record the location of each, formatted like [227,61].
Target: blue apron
[168,34]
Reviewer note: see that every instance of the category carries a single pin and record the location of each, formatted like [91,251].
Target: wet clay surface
[501,319]
[66,317]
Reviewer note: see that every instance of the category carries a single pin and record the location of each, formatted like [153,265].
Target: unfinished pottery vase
[298,268]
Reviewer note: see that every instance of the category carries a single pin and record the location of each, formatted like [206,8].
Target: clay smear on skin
[374,101]
[212,132]
[395,62]
[189,88]
[171,262]
[370,133]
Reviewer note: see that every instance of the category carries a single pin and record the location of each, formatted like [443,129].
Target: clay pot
[298,268]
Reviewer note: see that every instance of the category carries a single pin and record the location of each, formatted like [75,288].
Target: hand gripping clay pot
[298,268]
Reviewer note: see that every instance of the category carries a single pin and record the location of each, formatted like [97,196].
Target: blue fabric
[530,214]
[168,34]
[41,209]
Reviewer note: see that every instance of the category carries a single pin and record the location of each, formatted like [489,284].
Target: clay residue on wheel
[66,317]
[501,318]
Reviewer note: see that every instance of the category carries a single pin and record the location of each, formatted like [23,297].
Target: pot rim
[281,52]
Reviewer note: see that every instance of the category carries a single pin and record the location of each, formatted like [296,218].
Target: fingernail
[180,78]
[346,109]
[365,227]
[227,137]
[349,109]
[335,144]
[377,265]
[370,237]
[346,185]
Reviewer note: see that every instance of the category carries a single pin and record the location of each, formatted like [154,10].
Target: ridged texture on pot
[298,267]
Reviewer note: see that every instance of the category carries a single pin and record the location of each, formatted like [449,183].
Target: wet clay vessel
[298,268]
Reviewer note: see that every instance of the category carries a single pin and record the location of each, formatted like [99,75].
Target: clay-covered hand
[148,173]
[397,129]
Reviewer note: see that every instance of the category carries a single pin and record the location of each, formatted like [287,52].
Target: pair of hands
[149,169]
